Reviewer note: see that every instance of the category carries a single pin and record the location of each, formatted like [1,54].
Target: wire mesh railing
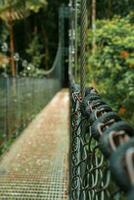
[20,100]
[102,150]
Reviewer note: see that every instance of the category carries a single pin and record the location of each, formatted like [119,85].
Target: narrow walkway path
[36,166]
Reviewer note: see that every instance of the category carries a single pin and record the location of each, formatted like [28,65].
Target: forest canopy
[111,53]
[29,37]
[34,23]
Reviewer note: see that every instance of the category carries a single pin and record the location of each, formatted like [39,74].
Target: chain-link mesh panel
[90,175]
[20,100]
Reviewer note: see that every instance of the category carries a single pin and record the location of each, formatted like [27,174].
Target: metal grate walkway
[36,167]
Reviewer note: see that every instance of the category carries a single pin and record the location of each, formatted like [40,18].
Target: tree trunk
[45,39]
[46,49]
[12,61]
[109,9]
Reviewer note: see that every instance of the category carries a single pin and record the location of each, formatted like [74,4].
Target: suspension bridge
[62,154]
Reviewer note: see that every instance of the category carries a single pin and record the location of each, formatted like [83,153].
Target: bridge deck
[35,168]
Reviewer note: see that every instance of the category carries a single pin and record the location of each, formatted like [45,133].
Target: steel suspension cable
[76,40]
[70,42]
[83,40]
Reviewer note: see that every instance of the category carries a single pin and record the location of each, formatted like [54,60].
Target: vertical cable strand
[83,41]
[76,40]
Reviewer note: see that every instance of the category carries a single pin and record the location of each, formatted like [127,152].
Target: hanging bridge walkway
[36,166]
[96,162]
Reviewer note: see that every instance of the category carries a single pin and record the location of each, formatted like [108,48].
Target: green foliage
[108,8]
[34,51]
[35,5]
[11,10]
[17,8]
[111,67]
[35,56]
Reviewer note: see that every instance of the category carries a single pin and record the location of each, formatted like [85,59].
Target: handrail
[102,150]
[56,61]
